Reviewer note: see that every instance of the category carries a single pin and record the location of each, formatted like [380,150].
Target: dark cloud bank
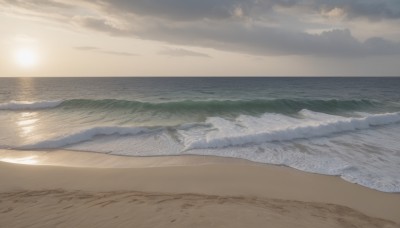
[231,25]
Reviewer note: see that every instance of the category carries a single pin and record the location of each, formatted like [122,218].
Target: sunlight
[26,57]
[27,125]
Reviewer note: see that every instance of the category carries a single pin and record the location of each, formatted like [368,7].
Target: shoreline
[199,175]
[88,159]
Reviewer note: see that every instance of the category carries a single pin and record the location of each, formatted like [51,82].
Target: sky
[199,38]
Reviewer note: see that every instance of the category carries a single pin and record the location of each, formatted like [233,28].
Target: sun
[26,57]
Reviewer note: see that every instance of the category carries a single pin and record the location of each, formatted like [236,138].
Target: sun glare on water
[26,57]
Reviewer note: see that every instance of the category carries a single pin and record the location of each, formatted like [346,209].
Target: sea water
[349,127]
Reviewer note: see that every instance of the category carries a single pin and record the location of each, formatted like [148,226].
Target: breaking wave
[286,106]
[85,135]
[229,133]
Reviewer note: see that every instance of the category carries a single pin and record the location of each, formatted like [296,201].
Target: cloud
[223,9]
[184,10]
[37,4]
[268,41]
[193,10]
[96,49]
[180,52]
[40,9]
[371,9]
[119,53]
[257,27]
[86,48]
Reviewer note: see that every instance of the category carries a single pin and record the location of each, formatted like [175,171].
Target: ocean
[347,127]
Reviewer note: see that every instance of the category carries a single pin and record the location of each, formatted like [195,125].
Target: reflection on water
[26,89]
[26,123]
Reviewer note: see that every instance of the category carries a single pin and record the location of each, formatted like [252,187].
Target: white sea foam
[27,105]
[352,156]
[155,143]
[276,127]
[84,135]
[349,147]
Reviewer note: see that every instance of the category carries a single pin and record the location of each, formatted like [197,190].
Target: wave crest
[85,135]
[229,133]
[286,106]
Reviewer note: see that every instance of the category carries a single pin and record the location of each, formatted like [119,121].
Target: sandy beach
[189,192]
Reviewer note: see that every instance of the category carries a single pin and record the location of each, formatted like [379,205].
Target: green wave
[285,106]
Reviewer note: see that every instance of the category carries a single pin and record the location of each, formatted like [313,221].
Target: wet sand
[191,192]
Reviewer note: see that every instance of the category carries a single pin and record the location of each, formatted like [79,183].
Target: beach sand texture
[60,208]
[213,195]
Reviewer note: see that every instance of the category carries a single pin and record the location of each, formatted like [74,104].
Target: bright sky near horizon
[199,38]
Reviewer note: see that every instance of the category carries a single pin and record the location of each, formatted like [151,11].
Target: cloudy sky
[199,37]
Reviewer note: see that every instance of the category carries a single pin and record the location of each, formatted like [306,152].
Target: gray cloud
[222,9]
[371,9]
[96,49]
[180,52]
[231,25]
[216,9]
[99,24]
[194,10]
[261,40]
